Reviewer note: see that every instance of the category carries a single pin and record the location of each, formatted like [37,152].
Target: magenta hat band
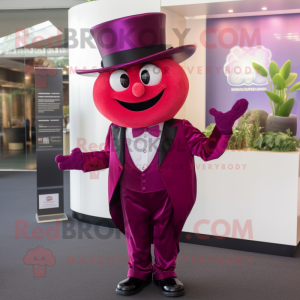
[129,55]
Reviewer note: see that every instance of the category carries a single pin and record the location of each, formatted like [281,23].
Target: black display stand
[49,144]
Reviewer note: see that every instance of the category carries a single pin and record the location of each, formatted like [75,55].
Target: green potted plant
[281,118]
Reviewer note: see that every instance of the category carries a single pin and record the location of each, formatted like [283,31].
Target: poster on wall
[49,141]
[233,44]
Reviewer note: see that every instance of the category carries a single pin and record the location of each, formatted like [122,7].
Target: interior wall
[194,108]
[175,24]
[196,72]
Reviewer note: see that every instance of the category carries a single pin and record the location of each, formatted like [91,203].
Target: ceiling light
[230,11]
[43,31]
[264,8]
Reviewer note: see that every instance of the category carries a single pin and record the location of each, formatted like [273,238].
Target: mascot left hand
[225,121]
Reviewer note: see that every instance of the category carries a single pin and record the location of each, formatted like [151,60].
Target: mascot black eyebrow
[151,189]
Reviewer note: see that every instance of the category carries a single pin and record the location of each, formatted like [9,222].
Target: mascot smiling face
[141,95]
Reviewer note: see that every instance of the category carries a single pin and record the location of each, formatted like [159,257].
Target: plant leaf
[277,140]
[259,143]
[286,70]
[295,87]
[273,69]
[274,97]
[269,138]
[286,108]
[261,70]
[271,144]
[291,79]
[278,82]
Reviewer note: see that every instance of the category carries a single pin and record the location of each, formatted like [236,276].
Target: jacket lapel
[119,142]
[167,139]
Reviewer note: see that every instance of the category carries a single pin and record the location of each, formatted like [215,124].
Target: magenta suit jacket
[180,141]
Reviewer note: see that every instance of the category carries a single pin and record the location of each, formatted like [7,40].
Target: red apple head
[141,95]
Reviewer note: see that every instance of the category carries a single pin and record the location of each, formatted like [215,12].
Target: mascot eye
[119,80]
[150,75]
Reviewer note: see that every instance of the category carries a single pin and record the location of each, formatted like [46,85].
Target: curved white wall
[89,196]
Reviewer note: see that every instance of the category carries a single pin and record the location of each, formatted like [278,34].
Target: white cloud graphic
[238,67]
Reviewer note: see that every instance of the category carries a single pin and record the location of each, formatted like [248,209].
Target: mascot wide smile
[150,155]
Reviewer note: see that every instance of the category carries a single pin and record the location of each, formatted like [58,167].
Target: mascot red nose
[150,155]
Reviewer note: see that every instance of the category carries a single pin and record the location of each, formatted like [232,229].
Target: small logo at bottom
[39,258]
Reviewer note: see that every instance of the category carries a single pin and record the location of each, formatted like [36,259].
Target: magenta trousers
[149,217]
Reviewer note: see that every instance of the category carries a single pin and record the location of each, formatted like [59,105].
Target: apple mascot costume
[150,155]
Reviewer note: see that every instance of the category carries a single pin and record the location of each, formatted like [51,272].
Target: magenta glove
[225,121]
[74,161]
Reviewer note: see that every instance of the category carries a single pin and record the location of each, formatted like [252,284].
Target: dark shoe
[170,287]
[131,286]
